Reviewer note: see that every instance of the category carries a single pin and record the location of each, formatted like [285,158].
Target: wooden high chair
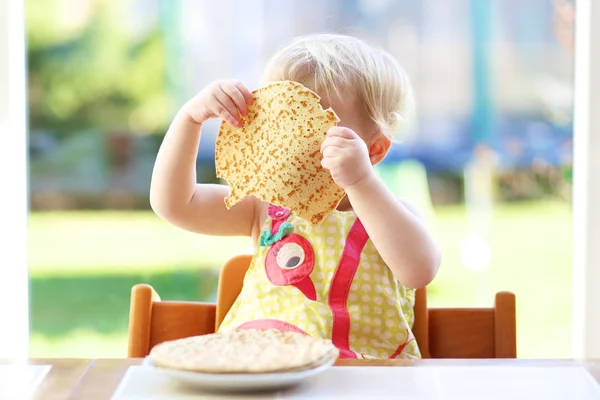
[440,332]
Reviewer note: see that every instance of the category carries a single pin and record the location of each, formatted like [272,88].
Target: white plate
[239,382]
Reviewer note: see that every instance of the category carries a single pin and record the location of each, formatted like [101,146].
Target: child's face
[353,116]
[350,114]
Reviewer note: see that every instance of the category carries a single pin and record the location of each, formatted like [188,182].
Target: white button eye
[290,256]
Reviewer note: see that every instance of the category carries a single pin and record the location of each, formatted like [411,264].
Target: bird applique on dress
[327,281]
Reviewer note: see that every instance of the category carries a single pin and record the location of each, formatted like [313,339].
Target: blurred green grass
[83,264]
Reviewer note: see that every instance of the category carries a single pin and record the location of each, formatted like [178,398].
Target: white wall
[14,331]
[586,192]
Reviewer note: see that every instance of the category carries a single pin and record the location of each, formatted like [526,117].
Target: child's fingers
[228,110]
[341,131]
[222,112]
[245,92]
[330,151]
[236,95]
[328,163]
[336,151]
[335,141]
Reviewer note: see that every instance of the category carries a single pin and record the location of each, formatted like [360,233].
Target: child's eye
[290,256]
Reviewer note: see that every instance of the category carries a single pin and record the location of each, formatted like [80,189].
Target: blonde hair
[331,63]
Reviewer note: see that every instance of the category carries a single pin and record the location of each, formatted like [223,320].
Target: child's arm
[398,234]
[174,194]
[400,237]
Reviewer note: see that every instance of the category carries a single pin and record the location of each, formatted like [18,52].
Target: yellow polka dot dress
[327,281]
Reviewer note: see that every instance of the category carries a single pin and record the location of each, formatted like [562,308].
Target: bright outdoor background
[488,157]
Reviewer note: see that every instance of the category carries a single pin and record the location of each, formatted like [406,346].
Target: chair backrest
[231,280]
[440,332]
[474,332]
[152,321]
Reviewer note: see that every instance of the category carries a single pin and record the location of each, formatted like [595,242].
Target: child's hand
[346,156]
[221,99]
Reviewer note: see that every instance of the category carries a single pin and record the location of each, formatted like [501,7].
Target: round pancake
[244,351]
[275,155]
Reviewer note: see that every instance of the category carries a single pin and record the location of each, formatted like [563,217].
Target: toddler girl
[351,278]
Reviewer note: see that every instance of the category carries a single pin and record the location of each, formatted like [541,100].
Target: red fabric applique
[340,288]
[278,216]
[277,213]
[290,262]
[400,349]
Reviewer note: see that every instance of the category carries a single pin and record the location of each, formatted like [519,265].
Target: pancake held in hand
[275,155]
[245,351]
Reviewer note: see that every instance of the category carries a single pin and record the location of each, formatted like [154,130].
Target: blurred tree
[87,72]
